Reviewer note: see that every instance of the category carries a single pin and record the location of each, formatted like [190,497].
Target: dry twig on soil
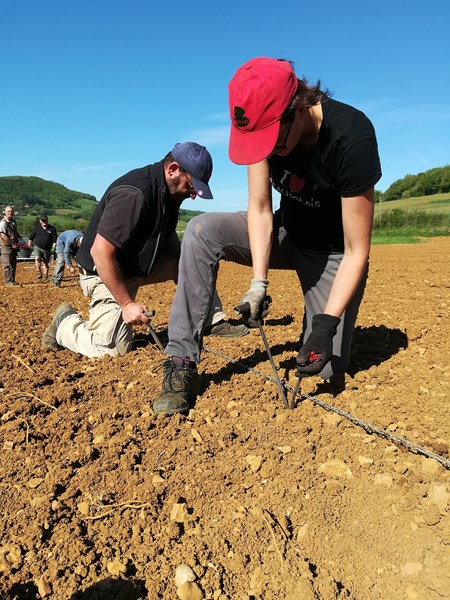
[26,395]
[120,506]
[274,539]
[23,362]
[27,436]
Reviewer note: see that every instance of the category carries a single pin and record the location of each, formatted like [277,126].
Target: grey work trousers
[212,237]
[58,271]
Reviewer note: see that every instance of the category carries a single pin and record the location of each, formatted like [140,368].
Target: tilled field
[100,499]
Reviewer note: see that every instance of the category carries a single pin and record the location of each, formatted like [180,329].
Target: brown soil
[100,499]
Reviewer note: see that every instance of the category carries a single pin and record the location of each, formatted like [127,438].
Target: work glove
[254,306]
[316,352]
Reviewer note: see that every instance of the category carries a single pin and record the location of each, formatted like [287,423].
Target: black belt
[84,272]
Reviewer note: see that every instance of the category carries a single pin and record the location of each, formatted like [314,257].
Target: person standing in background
[9,240]
[44,238]
[67,246]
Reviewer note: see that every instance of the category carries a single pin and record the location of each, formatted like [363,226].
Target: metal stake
[245,309]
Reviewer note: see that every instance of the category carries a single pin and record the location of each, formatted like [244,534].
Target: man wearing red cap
[131,241]
[322,157]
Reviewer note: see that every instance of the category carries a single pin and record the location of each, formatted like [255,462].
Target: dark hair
[170,159]
[305,96]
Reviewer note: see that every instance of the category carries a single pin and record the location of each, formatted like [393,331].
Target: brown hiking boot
[181,384]
[49,335]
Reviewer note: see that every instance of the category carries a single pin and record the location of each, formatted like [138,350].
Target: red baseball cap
[258,95]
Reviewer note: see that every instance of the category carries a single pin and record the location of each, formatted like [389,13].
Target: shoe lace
[171,374]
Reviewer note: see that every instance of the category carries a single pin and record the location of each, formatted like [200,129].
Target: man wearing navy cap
[131,241]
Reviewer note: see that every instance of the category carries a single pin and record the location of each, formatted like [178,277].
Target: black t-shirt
[122,214]
[44,238]
[123,222]
[344,163]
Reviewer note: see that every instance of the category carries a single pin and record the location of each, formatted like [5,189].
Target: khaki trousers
[105,332]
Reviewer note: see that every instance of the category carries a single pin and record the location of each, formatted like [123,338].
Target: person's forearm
[68,260]
[346,282]
[260,217]
[357,217]
[260,229]
[109,272]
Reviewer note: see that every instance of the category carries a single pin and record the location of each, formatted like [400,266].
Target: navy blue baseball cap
[197,161]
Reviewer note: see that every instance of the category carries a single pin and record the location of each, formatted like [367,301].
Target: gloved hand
[316,352]
[258,302]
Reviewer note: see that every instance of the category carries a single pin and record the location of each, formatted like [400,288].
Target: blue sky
[93,88]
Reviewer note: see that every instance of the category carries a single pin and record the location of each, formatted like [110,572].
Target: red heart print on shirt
[296,183]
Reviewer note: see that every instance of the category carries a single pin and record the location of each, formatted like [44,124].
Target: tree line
[433,181]
[69,209]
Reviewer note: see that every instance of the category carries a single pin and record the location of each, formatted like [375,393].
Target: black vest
[158,222]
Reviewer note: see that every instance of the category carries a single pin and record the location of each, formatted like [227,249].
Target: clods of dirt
[101,499]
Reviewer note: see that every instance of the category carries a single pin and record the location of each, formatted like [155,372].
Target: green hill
[39,194]
[32,196]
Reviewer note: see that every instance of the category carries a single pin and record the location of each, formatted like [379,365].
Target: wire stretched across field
[379,431]
[372,429]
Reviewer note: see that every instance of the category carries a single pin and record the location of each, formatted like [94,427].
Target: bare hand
[133,313]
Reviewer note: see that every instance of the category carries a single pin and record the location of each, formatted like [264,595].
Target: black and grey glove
[254,306]
[316,352]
